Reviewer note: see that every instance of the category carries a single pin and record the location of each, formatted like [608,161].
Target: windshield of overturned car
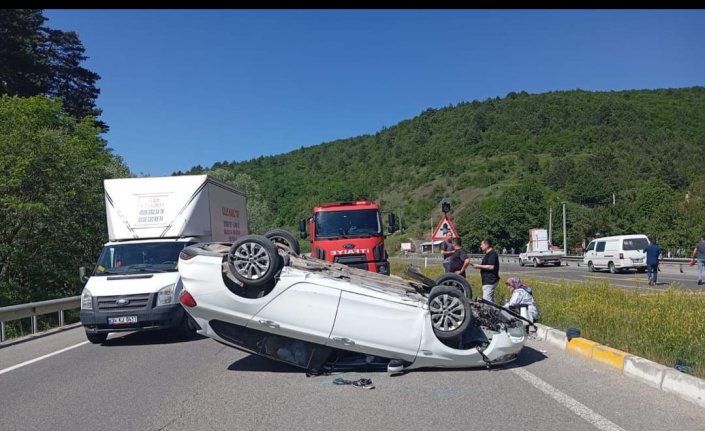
[347,224]
[139,258]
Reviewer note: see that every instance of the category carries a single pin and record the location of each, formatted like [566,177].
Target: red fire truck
[350,233]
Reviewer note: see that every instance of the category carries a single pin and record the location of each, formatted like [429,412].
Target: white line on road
[573,405]
[31,361]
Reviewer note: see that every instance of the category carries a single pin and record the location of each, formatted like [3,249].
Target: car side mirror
[302,229]
[391,223]
[82,274]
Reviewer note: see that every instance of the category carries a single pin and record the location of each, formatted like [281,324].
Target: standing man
[459,260]
[653,256]
[447,250]
[489,270]
[699,255]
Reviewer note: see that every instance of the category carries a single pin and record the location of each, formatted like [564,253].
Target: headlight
[165,296]
[86,300]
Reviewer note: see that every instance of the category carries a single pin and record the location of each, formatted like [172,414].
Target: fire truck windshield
[347,224]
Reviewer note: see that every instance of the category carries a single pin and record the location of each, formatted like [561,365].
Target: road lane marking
[31,361]
[596,420]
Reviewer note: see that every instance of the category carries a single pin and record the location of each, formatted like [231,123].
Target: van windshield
[635,244]
[124,259]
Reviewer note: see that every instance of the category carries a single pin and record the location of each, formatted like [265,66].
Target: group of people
[456,260]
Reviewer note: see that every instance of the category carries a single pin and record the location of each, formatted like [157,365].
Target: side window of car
[600,246]
[591,246]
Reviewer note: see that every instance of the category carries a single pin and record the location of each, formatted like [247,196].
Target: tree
[52,214]
[38,60]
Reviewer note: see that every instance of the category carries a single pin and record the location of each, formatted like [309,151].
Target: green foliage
[52,218]
[505,162]
[35,59]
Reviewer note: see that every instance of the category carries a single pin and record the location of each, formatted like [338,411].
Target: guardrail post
[61,317]
[34,324]
[2,332]
[425,262]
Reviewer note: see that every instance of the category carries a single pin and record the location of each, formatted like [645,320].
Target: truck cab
[350,233]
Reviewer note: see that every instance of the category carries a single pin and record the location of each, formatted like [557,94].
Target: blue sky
[181,88]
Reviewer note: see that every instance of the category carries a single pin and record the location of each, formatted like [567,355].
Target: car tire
[591,267]
[450,312]
[284,240]
[558,263]
[641,270]
[613,270]
[254,260]
[457,281]
[521,262]
[536,263]
[96,338]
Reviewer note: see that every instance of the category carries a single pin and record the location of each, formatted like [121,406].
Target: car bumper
[163,317]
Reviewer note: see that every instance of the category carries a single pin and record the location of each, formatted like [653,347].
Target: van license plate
[122,320]
[638,260]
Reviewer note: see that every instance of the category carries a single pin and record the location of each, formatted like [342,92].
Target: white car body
[330,306]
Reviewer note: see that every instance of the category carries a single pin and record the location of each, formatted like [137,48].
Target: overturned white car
[261,296]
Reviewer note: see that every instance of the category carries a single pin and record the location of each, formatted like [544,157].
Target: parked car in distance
[617,253]
[260,296]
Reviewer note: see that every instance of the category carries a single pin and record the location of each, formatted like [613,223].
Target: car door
[378,327]
[599,261]
[304,311]
[589,253]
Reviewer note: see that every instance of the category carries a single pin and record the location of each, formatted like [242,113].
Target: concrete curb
[655,375]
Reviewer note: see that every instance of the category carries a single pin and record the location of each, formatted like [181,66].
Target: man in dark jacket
[459,260]
[653,256]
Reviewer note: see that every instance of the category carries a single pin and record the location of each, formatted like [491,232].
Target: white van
[135,285]
[617,253]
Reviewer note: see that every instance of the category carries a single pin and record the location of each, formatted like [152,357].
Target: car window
[591,246]
[600,246]
[635,244]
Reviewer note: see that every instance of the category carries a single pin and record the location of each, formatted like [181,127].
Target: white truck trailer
[539,250]
[135,285]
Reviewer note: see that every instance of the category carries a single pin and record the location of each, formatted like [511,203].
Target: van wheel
[536,263]
[613,270]
[450,312]
[96,338]
[457,281]
[254,261]
[591,267]
[285,240]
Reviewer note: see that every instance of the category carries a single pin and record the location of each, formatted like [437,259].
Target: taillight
[186,299]
[186,254]
[621,255]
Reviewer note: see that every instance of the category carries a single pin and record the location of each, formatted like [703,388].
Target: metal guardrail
[34,309]
[515,258]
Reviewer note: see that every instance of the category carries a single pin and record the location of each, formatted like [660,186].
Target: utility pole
[613,199]
[565,248]
[550,225]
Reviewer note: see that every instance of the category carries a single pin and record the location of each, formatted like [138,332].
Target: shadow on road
[150,337]
[259,363]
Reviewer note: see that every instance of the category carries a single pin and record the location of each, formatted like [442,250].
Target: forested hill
[622,161]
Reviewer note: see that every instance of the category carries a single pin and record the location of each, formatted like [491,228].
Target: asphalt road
[148,381]
[668,274]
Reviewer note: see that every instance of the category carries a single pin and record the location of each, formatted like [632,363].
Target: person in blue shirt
[653,256]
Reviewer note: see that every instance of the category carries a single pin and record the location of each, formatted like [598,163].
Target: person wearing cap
[521,295]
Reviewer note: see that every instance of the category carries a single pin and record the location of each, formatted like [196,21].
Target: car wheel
[558,263]
[96,338]
[254,261]
[457,281]
[641,270]
[450,312]
[521,262]
[613,270]
[284,240]
[536,263]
